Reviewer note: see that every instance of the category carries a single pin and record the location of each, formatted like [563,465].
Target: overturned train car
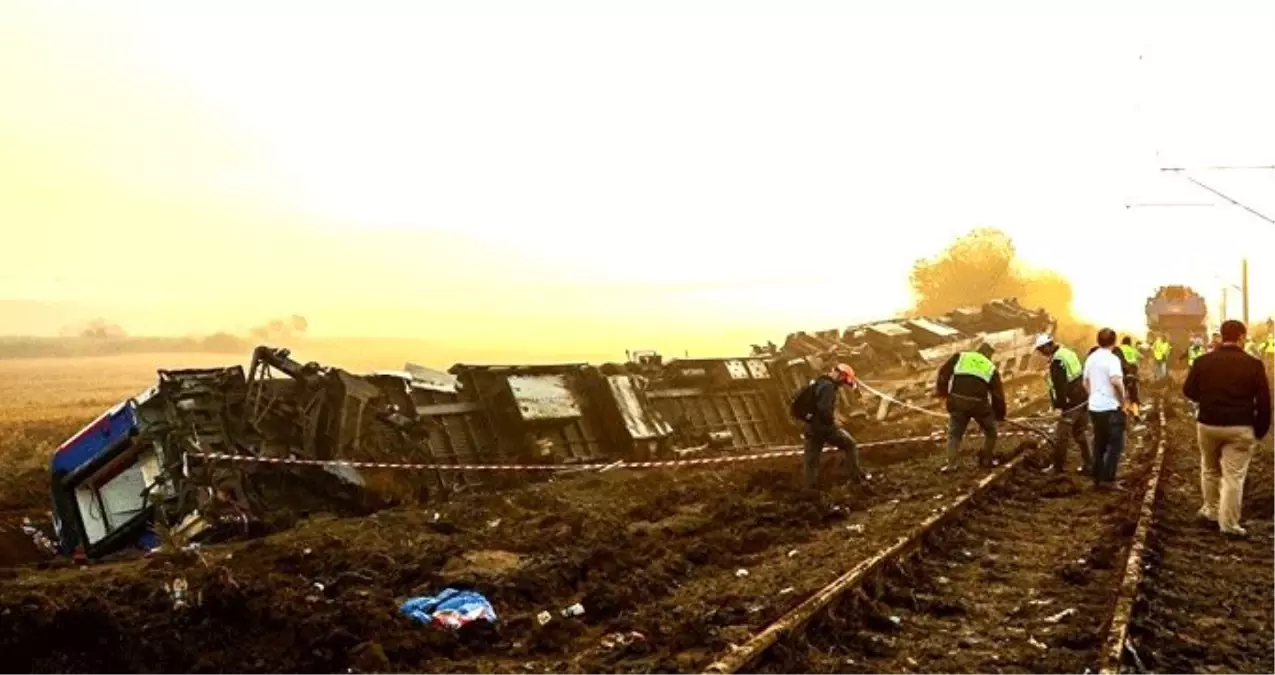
[142,468]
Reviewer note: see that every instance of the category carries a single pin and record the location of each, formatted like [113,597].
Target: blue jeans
[1161,369]
[1108,443]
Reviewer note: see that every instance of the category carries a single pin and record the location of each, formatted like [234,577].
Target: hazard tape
[785,451]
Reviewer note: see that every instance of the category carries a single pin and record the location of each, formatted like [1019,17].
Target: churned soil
[1023,581]
[655,557]
[1206,604]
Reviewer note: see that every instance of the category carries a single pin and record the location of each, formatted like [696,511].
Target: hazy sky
[677,175]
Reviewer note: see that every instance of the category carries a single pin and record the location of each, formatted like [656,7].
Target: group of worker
[1102,391]
[1228,385]
[1161,350]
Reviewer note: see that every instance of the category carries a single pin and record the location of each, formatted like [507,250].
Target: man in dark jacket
[821,425]
[1129,357]
[1234,398]
[971,386]
[1068,396]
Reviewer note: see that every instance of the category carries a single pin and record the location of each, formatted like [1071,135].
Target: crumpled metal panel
[544,397]
[737,370]
[757,369]
[641,421]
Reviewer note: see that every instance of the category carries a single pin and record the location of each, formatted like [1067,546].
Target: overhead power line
[1250,209]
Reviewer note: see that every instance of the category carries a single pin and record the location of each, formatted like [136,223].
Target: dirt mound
[654,555]
[16,547]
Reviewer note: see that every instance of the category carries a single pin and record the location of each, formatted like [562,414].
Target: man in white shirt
[1104,380]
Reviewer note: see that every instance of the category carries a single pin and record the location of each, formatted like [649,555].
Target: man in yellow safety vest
[970,384]
[1068,396]
[1160,350]
[1195,351]
[1130,357]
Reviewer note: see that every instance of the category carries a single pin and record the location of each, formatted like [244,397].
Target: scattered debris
[1061,615]
[741,573]
[1037,643]
[452,608]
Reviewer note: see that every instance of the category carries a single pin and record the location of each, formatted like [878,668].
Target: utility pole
[1244,287]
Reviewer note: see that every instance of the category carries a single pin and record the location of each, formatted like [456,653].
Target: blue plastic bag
[452,608]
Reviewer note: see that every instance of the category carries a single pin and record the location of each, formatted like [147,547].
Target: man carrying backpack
[816,406]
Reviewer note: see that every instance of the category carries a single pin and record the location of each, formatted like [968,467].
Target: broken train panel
[112,477]
[730,402]
[900,357]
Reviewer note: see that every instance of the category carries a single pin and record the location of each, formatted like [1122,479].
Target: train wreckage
[141,468]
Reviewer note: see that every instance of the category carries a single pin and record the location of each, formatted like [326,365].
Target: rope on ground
[778,451]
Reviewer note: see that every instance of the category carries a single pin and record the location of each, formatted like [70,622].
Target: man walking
[816,405]
[1195,351]
[971,386]
[1234,399]
[1160,352]
[1104,382]
[1129,361]
[1066,395]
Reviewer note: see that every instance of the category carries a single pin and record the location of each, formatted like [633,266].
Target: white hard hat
[1042,340]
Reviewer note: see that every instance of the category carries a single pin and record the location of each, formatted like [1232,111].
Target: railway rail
[1006,579]
[1204,601]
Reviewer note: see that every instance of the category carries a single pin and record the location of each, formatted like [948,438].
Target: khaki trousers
[1224,456]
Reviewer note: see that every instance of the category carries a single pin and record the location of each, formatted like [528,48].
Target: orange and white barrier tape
[781,451]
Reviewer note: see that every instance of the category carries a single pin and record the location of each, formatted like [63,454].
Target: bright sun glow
[583,179]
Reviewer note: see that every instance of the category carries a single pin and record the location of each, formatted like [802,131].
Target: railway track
[1204,604]
[1018,573]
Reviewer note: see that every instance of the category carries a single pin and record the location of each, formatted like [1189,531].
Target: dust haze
[983,265]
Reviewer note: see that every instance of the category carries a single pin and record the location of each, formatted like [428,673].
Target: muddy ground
[1024,581]
[657,554]
[1207,604]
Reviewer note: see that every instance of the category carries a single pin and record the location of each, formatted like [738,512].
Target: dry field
[44,401]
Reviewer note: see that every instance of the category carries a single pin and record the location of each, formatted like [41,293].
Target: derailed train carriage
[145,461]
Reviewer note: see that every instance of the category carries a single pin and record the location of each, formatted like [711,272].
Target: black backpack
[803,404]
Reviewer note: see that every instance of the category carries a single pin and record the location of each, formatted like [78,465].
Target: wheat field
[44,401]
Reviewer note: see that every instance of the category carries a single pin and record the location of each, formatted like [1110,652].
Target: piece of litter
[305,552]
[1061,615]
[912,662]
[741,573]
[544,618]
[938,496]
[437,515]
[493,523]
[857,527]
[452,608]
[943,580]
[792,553]
[967,554]
[896,620]
[1036,643]
[1040,603]
[753,609]
[319,586]
[786,591]
[614,640]
[574,610]
[1080,561]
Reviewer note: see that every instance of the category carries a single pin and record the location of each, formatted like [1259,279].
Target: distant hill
[26,347]
[351,353]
